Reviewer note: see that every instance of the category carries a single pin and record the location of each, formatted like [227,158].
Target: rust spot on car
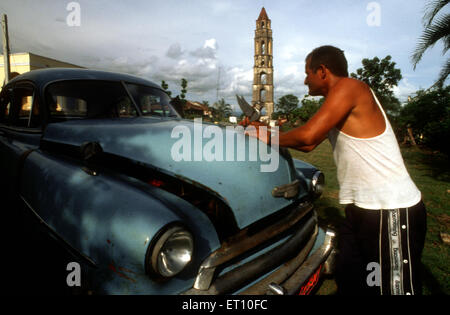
[126,270]
[108,241]
[119,273]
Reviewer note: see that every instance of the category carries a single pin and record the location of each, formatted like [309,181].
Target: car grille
[251,254]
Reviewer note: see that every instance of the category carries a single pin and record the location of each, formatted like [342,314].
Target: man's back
[370,170]
[364,119]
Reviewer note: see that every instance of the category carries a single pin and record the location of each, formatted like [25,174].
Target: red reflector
[313,280]
[156,183]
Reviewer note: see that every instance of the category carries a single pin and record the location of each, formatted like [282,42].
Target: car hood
[242,181]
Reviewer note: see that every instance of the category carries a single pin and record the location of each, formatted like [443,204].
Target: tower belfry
[263,68]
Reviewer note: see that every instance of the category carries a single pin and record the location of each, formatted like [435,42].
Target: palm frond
[443,75]
[431,9]
[439,29]
[446,44]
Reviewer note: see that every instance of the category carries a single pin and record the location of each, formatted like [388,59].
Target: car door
[20,133]
[26,239]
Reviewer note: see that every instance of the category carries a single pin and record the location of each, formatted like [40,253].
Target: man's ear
[323,71]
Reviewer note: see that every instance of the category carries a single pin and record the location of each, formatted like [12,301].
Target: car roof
[43,76]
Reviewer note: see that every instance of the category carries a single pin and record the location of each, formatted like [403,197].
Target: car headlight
[172,252]
[318,183]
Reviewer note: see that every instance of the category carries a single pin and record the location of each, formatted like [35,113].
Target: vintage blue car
[94,177]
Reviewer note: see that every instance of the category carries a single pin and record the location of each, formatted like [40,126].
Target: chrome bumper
[293,284]
[287,279]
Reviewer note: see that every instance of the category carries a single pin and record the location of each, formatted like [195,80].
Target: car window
[126,107]
[25,102]
[21,108]
[79,99]
[68,106]
[151,101]
[35,116]
[5,107]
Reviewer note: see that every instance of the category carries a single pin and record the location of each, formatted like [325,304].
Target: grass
[431,173]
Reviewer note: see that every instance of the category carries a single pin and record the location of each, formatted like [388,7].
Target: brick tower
[263,69]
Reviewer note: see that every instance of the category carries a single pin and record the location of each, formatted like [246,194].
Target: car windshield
[151,101]
[88,99]
[79,99]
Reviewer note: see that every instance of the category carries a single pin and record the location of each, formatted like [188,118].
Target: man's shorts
[380,251]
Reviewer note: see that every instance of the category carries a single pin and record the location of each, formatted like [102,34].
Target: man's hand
[256,129]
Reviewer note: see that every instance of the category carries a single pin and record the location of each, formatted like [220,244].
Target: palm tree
[436,28]
[222,109]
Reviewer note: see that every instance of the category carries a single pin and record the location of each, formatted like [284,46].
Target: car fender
[111,221]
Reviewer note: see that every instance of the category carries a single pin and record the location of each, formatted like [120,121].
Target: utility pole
[5,39]
[218,85]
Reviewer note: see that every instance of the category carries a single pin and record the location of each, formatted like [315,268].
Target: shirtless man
[385,224]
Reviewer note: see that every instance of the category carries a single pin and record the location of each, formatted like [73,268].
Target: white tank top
[371,172]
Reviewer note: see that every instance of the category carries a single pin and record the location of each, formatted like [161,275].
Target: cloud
[211,43]
[404,89]
[237,80]
[171,40]
[175,51]
[208,51]
[198,66]
[132,65]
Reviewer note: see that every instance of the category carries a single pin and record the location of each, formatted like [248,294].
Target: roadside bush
[428,114]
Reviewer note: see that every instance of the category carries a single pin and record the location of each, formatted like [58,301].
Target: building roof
[263,15]
[30,54]
[196,106]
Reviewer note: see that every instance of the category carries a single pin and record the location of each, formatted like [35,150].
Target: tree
[165,86]
[221,110]
[286,104]
[179,101]
[178,104]
[437,28]
[183,89]
[428,115]
[308,109]
[381,76]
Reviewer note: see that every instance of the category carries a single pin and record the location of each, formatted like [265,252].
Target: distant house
[24,62]
[197,109]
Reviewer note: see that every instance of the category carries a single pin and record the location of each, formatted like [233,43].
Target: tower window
[263,78]
[262,95]
[263,47]
[262,24]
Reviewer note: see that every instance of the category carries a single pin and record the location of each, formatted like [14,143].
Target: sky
[210,43]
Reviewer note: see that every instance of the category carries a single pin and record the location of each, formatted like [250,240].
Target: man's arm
[337,106]
[309,148]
